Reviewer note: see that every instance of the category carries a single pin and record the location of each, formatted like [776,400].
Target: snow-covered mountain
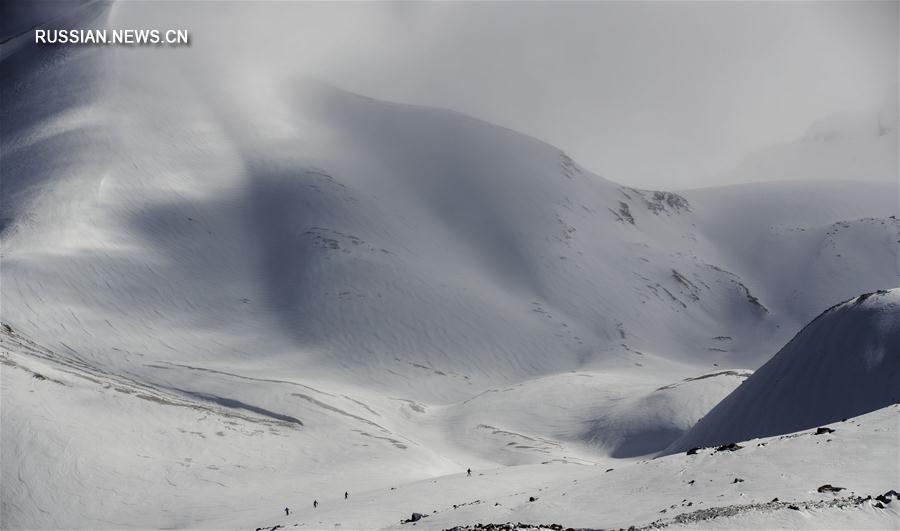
[338,232]
[221,300]
[843,364]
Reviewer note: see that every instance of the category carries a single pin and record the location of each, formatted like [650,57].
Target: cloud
[650,94]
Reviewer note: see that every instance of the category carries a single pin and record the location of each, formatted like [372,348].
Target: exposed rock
[415,517]
[730,447]
[886,497]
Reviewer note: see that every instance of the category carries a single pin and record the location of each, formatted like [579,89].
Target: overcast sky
[651,94]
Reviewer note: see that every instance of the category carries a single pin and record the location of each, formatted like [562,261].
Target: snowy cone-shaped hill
[843,364]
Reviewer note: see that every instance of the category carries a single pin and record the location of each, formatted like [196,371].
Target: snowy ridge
[845,363]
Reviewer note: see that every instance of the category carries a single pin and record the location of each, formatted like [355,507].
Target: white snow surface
[659,491]
[843,364]
[219,301]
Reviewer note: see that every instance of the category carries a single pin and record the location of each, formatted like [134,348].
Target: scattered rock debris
[730,447]
[510,526]
[702,515]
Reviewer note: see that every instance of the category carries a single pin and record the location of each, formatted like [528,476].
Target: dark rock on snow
[415,517]
[730,447]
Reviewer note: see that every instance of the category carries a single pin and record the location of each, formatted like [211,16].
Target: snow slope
[675,491]
[219,298]
[801,245]
[843,364]
[178,462]
[93,449]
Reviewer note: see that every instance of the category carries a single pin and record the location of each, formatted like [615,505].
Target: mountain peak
[843,364]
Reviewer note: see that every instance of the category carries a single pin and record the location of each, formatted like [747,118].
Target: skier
[469,473]
[346,495]
[315,503]
[287,511]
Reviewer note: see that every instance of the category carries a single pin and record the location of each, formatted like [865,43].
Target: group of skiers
[287,510]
